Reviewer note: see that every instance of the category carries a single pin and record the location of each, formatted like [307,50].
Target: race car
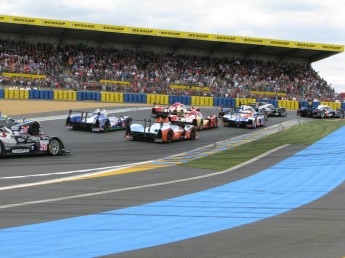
[161,130]
[245,116]
[14,143]
[24,126]
[196,118]
[320,111]
[163,111]
[224,110]
[269,108]
[97,121]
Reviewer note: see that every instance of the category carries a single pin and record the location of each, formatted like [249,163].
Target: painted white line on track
[12,205]
[103,169]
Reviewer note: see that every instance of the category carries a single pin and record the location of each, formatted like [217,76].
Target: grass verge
[302,134]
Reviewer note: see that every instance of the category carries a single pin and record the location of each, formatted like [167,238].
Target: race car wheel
[282,112]
[254,124]
[54,147]
[68,120]
[1,149]
[34,128]
[170,136]
[341,114]
[193,134]
[323,114]
[201,125]
[106,126]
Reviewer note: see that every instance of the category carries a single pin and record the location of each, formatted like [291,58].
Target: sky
[317,21]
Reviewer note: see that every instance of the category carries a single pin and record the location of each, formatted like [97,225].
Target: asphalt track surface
[316,229]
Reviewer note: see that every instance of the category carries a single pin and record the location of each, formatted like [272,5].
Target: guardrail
[161,99]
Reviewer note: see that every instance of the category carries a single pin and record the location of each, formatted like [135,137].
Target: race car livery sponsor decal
[20,151]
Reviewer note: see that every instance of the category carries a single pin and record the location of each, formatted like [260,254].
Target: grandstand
[68,55]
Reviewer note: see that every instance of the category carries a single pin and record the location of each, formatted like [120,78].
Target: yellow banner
[110,28]
[279,43]
[256,41]
[53,23]
[114,82]
[269,93]
[84,26]
[329,47]
[169,33]
[225,38]
[24,75]
[22,20]
[142,31]
[197,88]
[201,36]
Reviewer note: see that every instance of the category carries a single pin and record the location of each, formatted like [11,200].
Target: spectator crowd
[80,67]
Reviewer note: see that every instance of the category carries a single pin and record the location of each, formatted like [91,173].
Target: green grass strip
[303,134]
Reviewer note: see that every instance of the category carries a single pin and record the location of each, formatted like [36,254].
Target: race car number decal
[43,146]
[25,128]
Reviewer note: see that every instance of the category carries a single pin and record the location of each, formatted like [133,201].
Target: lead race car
[245,116]
[164,111]
[97,121]
[24,126]
[15,143]
[320,111]
[161,130]
[195,117]
[179,114]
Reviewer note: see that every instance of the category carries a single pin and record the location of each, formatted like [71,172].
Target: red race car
[175,109]
[196,118]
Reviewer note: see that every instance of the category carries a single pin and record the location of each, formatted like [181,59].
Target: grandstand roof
[246,46]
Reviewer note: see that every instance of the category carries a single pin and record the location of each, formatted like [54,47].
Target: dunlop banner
[225,38]
[84,26]
[53,23]
[110,28]
[142,31]
[201,36]
[23,20]
[170,33]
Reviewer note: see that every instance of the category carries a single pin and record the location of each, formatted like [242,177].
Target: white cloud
[317,21]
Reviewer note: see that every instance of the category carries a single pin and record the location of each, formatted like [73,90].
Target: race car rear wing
[83,119]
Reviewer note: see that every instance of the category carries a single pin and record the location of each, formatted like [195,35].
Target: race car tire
[193,134]
[201,127]
[170,136]
[106,126]
[1,149]
[55,147]
[323,114]
[282,112]
[68,120]
[341,114]
[34,128]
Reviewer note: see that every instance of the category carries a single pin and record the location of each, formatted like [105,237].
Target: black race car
[14,143]
[269,109]
[320,111]
[24,126]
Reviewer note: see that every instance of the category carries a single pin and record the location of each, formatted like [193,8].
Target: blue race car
[245,116]
[97,121]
